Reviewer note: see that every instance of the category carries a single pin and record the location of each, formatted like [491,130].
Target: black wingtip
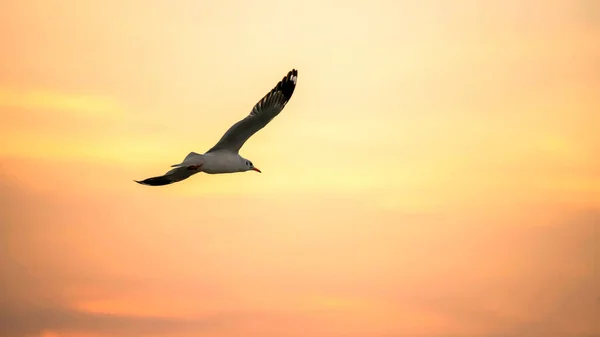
[156,181]
[288,84]
[140,182]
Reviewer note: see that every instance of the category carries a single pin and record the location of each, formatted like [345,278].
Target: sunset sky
[435,174]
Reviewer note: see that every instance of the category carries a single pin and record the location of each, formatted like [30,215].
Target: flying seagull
[224,156]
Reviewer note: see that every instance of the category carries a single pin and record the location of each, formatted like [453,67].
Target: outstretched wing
[262,113]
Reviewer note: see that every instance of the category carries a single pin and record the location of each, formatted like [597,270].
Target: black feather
[155,181]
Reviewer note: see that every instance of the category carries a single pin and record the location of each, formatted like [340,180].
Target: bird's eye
[250,163]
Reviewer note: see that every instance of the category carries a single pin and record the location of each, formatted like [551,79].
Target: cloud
[78,104]
[332,269]
[21,323]
[33,301]
[43,282]
[538,280]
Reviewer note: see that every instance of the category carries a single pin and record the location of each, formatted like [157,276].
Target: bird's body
[223,162]
[224,156]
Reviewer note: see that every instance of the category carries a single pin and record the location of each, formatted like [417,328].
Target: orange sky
[434,174]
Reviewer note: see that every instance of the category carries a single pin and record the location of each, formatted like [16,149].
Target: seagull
[224,156]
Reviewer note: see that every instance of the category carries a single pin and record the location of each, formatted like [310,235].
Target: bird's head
[249,166]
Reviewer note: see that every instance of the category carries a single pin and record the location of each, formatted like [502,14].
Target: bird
[224,156]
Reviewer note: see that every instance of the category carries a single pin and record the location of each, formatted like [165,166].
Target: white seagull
[224,156]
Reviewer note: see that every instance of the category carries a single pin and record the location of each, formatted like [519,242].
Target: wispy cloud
[23,323]
[354,272]
[80,104]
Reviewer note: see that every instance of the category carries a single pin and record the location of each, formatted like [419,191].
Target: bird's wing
[262,113]
[173,176]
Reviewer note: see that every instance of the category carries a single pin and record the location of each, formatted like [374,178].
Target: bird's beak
[257,170]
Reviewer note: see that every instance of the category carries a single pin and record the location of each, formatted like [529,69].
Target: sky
[435,173]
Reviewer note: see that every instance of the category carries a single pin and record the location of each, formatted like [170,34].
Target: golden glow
[58,103]
[435,173]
